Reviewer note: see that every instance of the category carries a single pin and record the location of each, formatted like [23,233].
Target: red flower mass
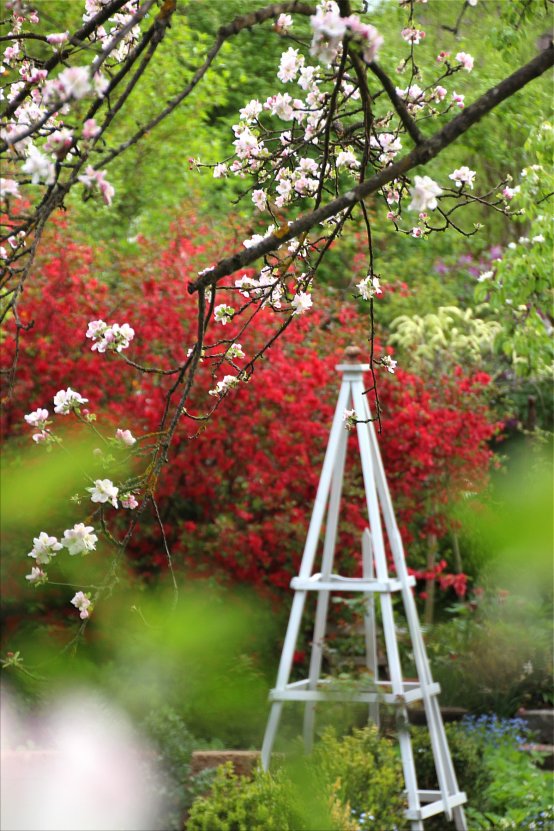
[237,493]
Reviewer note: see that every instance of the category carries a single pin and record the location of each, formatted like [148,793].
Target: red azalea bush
[237,493]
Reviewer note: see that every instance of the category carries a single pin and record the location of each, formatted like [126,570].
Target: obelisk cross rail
[374,583]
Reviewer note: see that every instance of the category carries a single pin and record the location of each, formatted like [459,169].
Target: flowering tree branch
[423,153]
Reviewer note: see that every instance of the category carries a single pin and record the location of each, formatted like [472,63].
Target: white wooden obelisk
[375,581]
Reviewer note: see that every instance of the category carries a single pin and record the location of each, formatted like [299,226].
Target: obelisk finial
[353,355]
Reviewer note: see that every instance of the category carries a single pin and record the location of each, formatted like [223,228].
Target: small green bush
[348,784]
[369,775]
[263,803]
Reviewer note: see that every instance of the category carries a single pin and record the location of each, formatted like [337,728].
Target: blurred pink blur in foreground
[76,766]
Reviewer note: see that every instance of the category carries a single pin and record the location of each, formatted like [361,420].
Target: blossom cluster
[109,338]
[46,131]
[80,539]
[330,29]
[288,166]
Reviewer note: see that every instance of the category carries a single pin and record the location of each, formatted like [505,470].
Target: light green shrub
[347,784]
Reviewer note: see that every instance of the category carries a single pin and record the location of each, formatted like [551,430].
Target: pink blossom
[59,142]
[11,52]
[290,64]
[416,232]
[466,60]
[458,100]
[57,38]
[463,176]
[129,501]
[37,418]
[74,82]
[37,76]
[90,129]
[97,178]
[439,93]
[389,363]
[9,187]
[367,35]
[412,35]
[40,437]
[106,189]
[280,105]
[283,24]
[259,198]
[125,437]
[83,603]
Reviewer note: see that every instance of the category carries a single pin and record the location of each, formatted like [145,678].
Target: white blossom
[83,603]
[44,548]
[463,176]
[227,383]
[301,302]
[104,490]
[389,363]
[9,187]
[39,167]
[74,82]
[220,171]
[223,314]
[113,338]
[349,418]
[389,144]
[424,194]
[369,287]
[80,539]
[347,158]
[251,111]
[37,576]
[125,437]
[67,400]
[485,275]
[235,351]
[37,418]
[290,65]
